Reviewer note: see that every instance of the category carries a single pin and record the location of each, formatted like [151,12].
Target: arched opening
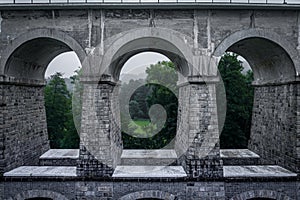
[261,194]
[149,194]
[106,86]
[38,195]
[150,78]
[163,152]
[62,76]
[274,98]
[237,78]
[26,62]
[30,59]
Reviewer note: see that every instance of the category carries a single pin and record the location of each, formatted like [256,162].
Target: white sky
[138,63]
[68,62]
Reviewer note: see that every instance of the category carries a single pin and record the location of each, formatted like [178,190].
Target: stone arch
[22,67]
[267,194]
[28,55]
[172,44]
[281,64]
[149,194]
[275,64]
[115,51]
[38,193]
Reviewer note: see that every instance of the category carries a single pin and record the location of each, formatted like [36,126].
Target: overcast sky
[67,63]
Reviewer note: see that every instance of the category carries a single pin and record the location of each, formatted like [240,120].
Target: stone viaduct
[193,36]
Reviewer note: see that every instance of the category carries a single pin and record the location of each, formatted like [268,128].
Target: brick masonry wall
[23,125]
[274,130]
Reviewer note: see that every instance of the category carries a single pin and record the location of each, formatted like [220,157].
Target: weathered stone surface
[42,171]
[23,131]
[149,172]
[159,157]
[274,125]
[239,157]
[60,157]
[257,171]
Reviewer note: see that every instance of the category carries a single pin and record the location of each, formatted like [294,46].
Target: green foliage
[77,98]
[160,88]
[142,123]
[239,96]
[61,129]
[163,73]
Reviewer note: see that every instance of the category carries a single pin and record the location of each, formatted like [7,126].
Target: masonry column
[198,132]
[23,136]
[100,137]
[275,124]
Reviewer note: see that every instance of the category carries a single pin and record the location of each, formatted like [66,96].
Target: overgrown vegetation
[160,88]
[239,96]
[58,102]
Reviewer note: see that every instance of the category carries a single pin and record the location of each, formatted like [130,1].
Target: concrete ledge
[239,157]
[159,157]
[149,172]
[238,153]
[60,157]
[256,171]
[61,154]
[160,153]
[42,171]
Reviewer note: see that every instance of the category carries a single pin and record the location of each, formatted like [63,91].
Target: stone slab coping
[42,171]
[149,172]
[237,153]
[61,154]
[256,171]
[153,153]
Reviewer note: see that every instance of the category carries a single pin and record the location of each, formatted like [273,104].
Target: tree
[239,96]
[164,93]
[77,98]
[159,89]
[61,129]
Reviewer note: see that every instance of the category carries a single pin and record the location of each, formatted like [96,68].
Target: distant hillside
[125,78]
[70,86]
[67,81]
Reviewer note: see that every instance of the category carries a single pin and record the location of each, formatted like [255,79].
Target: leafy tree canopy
[61,129]
[239,96]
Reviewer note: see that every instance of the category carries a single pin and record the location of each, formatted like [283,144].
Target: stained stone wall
[198,131]
[274,124]
[101,145]
[129,190]
[23,136]
[58,162]
[261,189]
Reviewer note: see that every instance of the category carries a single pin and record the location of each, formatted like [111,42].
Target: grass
[142,122]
